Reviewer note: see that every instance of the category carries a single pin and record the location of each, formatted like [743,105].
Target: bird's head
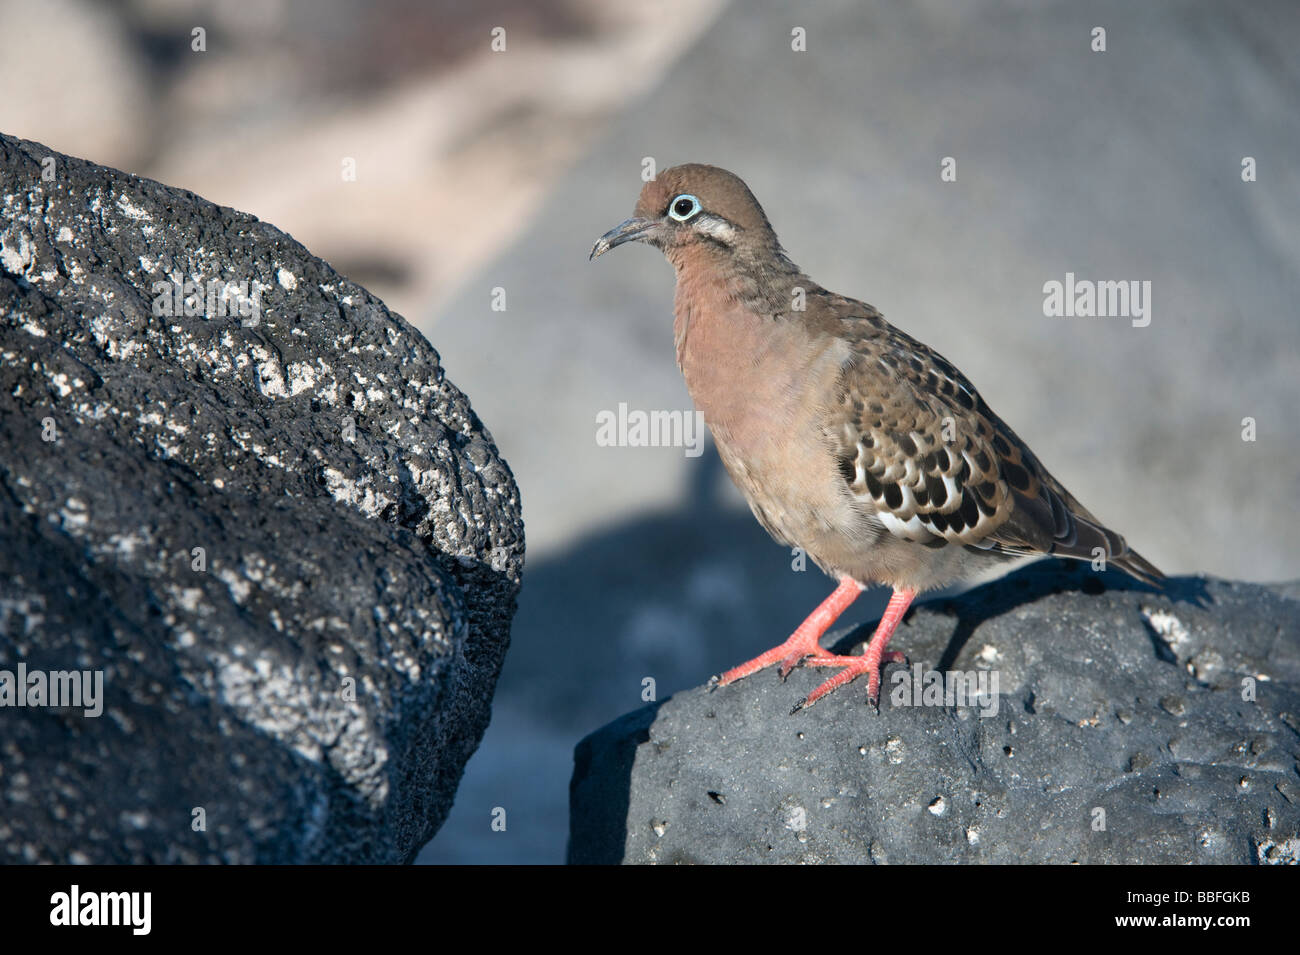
[693,207]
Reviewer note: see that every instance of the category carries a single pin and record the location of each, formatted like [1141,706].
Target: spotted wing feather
[937,466]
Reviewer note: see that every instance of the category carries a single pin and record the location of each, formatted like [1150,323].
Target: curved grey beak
[632,230]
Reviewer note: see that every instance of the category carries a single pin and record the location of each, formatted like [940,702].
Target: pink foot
[803,646]
[873,657]
[869,663]
[803,642]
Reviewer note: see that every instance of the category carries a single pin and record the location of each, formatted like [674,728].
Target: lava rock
[1125,726]
[243,493]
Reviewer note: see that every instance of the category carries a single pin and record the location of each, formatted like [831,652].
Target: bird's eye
[683,207]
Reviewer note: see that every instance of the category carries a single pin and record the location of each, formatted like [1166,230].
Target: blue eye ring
[684,207]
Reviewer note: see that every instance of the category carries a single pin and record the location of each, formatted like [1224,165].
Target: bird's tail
[1089,539]
[1083,537]
[1134,564]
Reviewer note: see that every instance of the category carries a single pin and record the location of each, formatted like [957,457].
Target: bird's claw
[788,666]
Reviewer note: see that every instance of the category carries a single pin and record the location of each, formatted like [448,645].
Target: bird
[849,439]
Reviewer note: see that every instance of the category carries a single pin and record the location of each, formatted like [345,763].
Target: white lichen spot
[302,377]
[287,279]
[31,328]
[65,235]
[1168,627]
[189,599]
[270,460]
[270,379]
[17,257]
[356,493]
[130,210]
[125,544]
[239,587]
[105,329]
[74,514]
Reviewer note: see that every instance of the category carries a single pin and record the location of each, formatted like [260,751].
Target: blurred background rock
[479,170]
[455,145]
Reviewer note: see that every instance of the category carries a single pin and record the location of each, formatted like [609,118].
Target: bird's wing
[916,441]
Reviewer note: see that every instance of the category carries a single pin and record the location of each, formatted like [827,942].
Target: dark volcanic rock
[281,535]
[1129,727]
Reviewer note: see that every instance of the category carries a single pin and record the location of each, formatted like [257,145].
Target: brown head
[694,206]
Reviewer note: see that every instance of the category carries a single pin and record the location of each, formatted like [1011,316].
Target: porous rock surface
[268,520]
[1128,726]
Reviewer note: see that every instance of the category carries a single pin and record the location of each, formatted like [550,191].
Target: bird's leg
[803,642]
[872,659]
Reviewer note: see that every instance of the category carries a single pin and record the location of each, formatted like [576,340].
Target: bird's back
[918,443]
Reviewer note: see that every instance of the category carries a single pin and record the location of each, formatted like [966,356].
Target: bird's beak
[633,230]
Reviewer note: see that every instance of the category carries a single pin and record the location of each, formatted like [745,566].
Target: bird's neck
[763,283]
[736,332]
